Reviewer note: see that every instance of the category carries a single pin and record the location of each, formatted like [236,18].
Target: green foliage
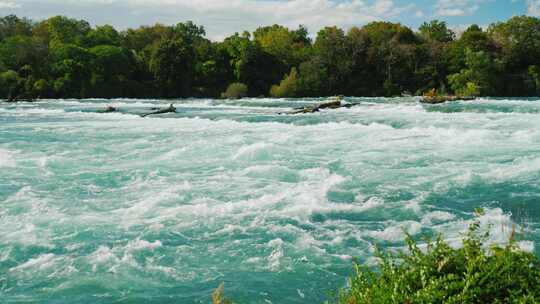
[103,35]
[470,89]
[252,65]
[112,67]
[71,65]
[188,32]
[10,84]
[218,296]
[313,75]
[381,58]
[14,26]
[41,88]
[436,31]
[442,274]
[18,51]
[477,78]
[534,73]
[332,48]
[172,64]
[289,47]
[67,31]
[235,91]
[519,38]
[288,86]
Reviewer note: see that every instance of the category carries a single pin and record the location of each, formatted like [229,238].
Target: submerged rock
[109,109]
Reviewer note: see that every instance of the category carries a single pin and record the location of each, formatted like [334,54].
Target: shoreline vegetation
[67,58]
[434,272]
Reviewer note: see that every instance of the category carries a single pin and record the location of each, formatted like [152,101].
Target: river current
[115,208]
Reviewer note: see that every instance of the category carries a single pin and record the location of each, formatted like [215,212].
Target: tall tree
[112,70]
[172,63]
[14,26]
[332,47]
[103,35]
[478,78]
[63,30]
[436,31]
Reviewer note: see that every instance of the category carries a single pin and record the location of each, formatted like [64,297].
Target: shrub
[235,91]
[441,274]
[10,83]
[218,297]
[471,89]
[41,88]
[288,86]
[534,73]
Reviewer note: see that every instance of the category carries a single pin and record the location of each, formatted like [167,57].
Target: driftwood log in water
[170,109]
[334,104]
[443,99]
[21,98]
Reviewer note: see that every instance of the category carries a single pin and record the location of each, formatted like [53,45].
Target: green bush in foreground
[441,274]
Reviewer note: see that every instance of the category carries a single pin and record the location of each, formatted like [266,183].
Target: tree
[189,32]
[14,26]
[287,46]
[103,35]
[251,64]
[172,63]
[145,37]
[66,57]
[332,47]
[71,67]
[213,70]
[518,47]
[18,51]
[313,78]
[392,57]
[63,30]
[436,31]
[112,68]
[477,78]
[10,84]
[519,39]
[358,82]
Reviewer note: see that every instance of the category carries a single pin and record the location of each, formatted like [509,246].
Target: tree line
[62,57]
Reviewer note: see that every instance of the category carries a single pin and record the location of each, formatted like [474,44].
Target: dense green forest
[62,57]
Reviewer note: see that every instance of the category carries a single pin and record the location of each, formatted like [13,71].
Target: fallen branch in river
[170,109]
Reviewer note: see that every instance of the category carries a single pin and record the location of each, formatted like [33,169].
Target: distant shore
[61,57]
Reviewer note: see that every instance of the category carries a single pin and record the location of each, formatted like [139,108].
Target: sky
[222,18]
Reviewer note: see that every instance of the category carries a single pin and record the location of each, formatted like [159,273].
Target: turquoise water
[114,208]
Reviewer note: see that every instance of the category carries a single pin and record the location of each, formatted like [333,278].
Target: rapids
[102,208]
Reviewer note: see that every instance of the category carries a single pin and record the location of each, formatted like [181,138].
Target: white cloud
[453,8]
[533,7]
[220,17]
[8,4]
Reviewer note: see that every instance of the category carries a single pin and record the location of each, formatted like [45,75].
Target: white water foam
[7,159]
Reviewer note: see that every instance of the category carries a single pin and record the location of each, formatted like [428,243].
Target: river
[115,208]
